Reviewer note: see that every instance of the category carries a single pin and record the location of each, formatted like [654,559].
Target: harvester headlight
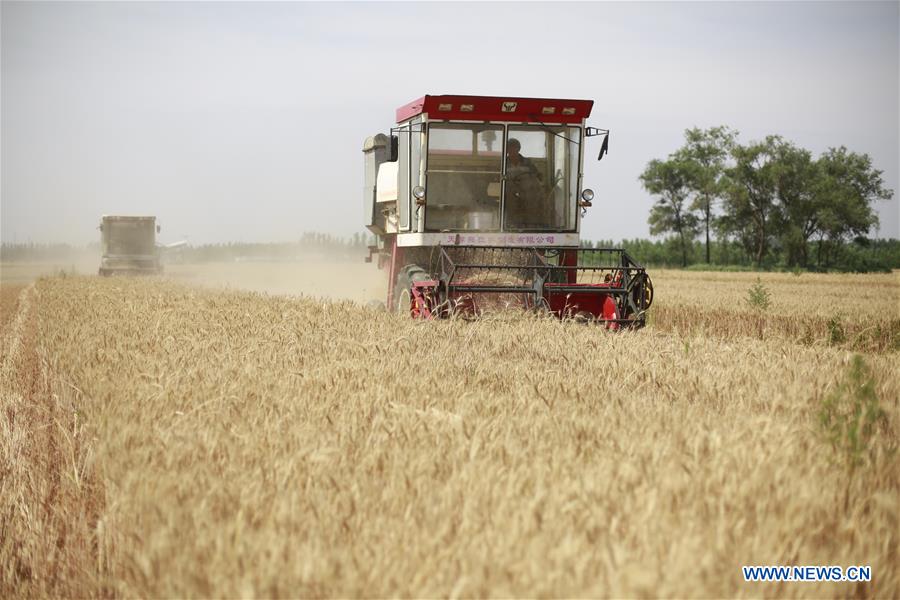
[419,192]
[587,195]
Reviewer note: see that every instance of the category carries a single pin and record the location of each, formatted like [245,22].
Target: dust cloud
[310,275]
[78,262]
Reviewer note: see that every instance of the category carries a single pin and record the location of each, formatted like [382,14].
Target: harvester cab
[128,245]
[476,202]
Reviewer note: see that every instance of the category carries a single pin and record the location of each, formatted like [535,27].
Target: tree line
[876,255]
[772,201]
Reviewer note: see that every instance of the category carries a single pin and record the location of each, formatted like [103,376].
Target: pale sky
[245,121]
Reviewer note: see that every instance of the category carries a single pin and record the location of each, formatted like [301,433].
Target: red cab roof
[497,108]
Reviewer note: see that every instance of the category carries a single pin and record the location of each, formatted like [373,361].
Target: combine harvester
[476,203]
[128,246]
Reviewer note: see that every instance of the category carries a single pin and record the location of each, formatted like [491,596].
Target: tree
[848,186]
[750,208]
[795,177]
[670,181]
[708,149]
[777,200]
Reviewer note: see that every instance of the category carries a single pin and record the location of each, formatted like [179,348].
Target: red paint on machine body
[497,108]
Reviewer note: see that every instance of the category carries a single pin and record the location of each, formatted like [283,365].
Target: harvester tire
[405,279]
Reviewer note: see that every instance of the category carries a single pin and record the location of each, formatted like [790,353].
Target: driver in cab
[516,164]
[523,186]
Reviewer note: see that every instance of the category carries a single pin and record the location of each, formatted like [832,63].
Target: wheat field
[163,439]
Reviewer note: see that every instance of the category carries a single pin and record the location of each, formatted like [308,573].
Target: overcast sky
[245,121]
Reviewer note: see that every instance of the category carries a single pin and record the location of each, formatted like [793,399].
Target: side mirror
[592,131]
[395,153]
[158,229]
[604,148]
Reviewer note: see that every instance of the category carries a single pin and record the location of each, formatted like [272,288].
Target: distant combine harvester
[128,245]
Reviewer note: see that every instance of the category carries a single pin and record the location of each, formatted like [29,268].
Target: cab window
[464,174]
[541,174]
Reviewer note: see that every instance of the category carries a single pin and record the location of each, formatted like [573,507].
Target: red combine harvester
[476,203]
